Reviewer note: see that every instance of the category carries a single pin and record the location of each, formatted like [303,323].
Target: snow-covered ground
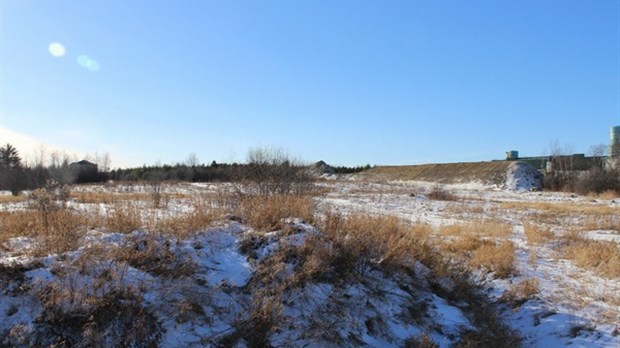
[208,296]
[570,297]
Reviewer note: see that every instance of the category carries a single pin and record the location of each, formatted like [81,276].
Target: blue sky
[348,82]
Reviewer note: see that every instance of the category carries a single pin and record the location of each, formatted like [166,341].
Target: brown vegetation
[267,212]
[536,234]
[601,257]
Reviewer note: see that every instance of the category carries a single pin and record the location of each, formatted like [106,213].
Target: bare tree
[271,171]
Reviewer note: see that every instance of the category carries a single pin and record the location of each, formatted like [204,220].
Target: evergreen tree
[11,173]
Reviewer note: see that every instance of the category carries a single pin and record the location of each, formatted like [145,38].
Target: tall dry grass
[601,257]
[498,258]
[55,231]
[182,226]
[124,217]
[264,212]
[537,234]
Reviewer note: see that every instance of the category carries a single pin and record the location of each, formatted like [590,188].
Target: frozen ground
[575,306]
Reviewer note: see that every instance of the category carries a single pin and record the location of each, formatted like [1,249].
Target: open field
[351,263]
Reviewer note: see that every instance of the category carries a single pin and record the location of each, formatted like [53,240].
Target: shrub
[441,195]
[273,172]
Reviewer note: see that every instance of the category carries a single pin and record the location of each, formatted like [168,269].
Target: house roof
[84,163]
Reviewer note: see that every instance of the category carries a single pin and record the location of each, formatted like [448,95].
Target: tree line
[271,169]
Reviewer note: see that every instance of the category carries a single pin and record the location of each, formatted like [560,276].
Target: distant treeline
[182,172]
[271,169]
[350,170]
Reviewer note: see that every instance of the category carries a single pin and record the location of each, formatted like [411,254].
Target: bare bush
[271,171]
[441,195]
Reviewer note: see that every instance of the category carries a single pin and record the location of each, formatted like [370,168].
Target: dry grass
[536,234]
[18,223]
[154,254]
[12,199]
[361,240]
[601,257]
[605,222]
[105,310]
[464,209]
[561,209]
[484,253]
[56,231]
[267,212]
[108,197]
[182,226]
[498,258]
[485,228]
[609,194]
[522,291]
[124,217]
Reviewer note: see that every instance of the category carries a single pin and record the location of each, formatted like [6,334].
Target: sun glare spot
[56,49]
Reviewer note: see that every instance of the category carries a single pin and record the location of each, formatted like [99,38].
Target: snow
[572,307]
[521,176]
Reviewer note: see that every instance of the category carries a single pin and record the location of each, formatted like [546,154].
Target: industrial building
[576,161]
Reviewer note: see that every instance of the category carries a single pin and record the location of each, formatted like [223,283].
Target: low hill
[507,174]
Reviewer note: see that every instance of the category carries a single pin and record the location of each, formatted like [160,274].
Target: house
[84,171]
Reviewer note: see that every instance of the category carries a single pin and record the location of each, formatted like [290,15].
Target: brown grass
[267,212]
[484,253]
[386,240]
[12,199]
[609,194]
[485,227]
[56,231]
[605,222]
[537,234]
[107,197]
[103,311]
[522,291]
[153,254]
[601,257]
[181,226]
[498,258]
[562,209]
[124,217]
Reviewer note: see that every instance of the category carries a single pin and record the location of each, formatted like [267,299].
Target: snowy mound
[521,176]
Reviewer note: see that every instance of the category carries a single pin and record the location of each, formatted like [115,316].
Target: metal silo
[614,142]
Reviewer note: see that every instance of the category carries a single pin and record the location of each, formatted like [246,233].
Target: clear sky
[348,82]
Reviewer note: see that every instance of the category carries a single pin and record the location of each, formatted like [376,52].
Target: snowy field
[187,265]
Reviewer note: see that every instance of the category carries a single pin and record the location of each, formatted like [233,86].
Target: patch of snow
[521,176]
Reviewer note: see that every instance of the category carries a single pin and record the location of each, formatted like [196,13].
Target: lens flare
[56,49]
[88,63]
